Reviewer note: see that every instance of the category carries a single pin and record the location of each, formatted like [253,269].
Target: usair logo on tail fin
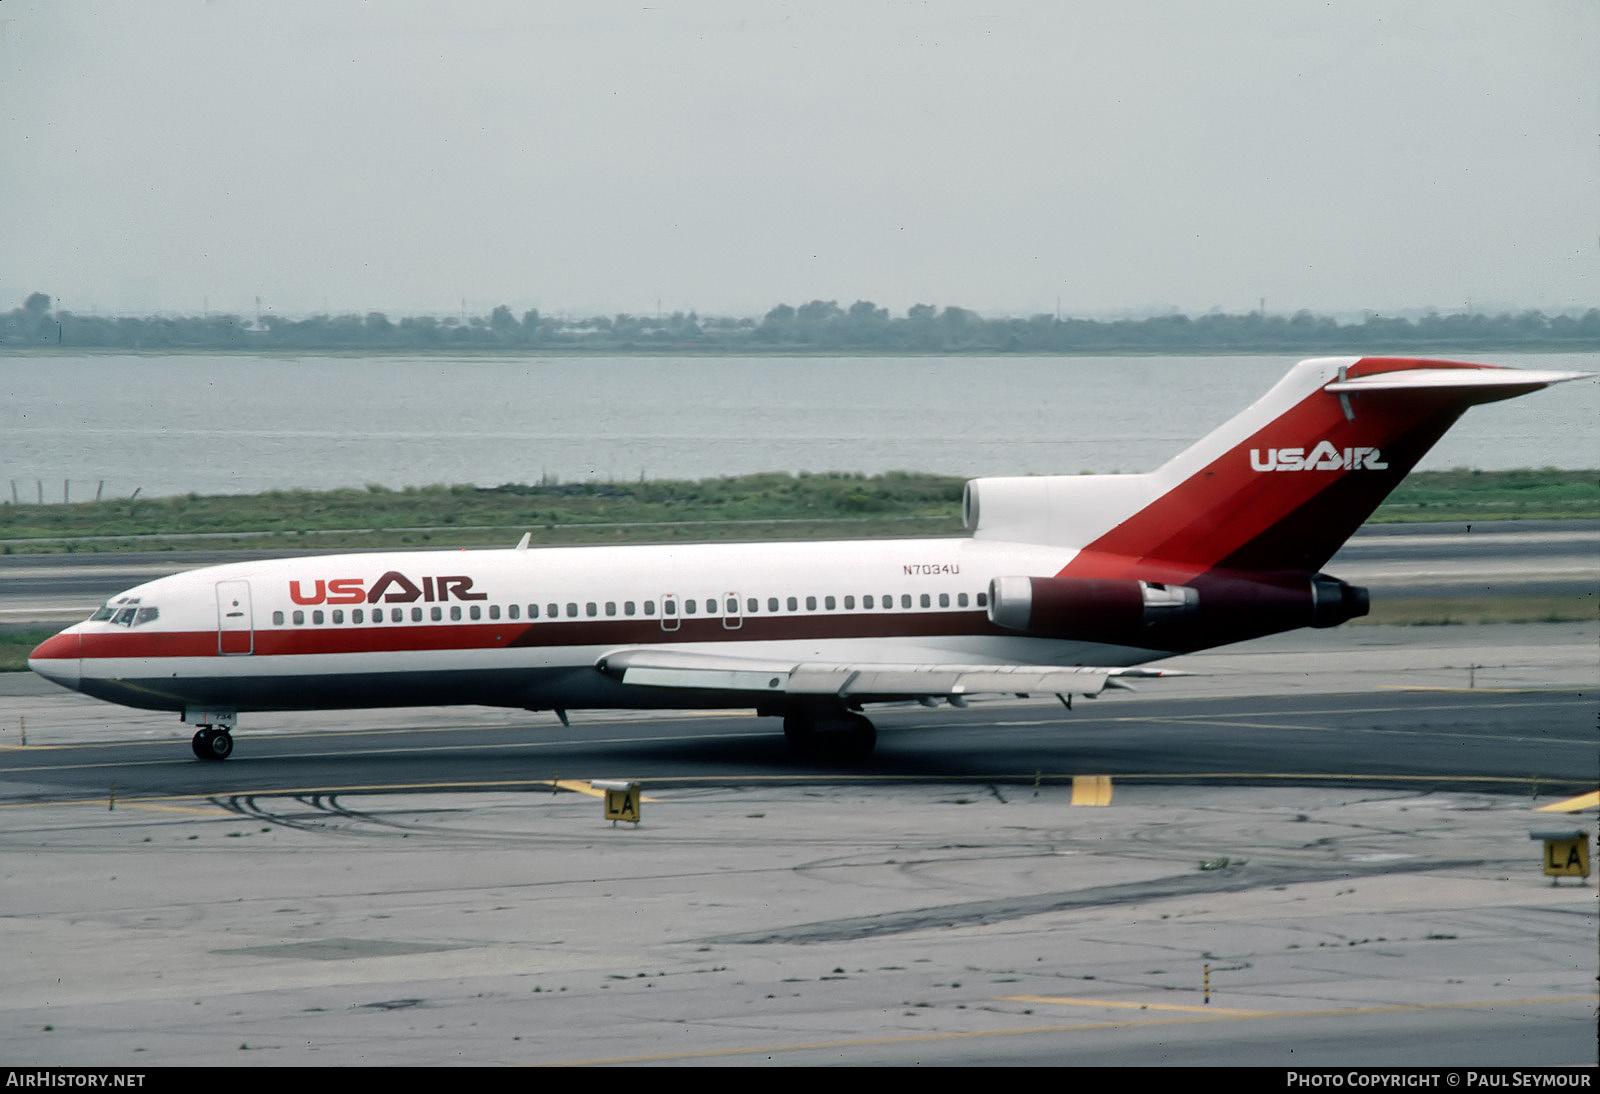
[1324,457]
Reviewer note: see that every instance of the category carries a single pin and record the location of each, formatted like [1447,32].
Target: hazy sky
[605,157]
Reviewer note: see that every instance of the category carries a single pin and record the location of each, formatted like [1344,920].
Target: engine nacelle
[1072,605]
[1212,609]
[1334,601]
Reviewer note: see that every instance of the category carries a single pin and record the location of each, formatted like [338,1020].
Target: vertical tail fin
[1279,487]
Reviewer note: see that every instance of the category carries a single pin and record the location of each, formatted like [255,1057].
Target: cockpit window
[125,612]
[110,608]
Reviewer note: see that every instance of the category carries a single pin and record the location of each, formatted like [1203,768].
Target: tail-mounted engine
[1063,605]
[1210,609]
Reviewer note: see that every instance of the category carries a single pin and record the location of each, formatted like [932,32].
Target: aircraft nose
[57,659]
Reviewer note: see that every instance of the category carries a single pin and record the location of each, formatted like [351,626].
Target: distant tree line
[820,326]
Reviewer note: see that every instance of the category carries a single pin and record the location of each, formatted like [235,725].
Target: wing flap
[860,682]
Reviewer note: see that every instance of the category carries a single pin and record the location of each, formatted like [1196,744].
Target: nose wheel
[212,744]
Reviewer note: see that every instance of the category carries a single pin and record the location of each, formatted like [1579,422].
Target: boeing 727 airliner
[1065,585]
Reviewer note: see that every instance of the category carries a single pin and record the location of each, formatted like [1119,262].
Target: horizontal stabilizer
[1514,381]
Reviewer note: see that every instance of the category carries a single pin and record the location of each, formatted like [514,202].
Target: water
[223,424]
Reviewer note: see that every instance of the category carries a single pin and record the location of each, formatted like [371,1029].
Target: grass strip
[744,507]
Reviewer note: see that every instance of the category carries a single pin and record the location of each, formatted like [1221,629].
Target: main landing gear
[829,733]
[212,744]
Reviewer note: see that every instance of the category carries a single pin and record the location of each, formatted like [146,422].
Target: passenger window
[552,610]
[905,600]
[494,611]
[591,609]
[772,603]
[983,599]
[961,600]
[927,601]
[436,613]
[794,605]
[572,610]
[649,607]
[299,618]
[277,619]
[811,603]
[688,607]
[338,615]
[629,608]
[849,603]
[316,617]
[455,612]
[396,615]
[475,611]
[513,611]
[888,602]
[611,607]
[416,615]
[828,603]
[866,602]
[944,600]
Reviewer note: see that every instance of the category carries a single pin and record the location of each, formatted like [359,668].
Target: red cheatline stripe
[389,638]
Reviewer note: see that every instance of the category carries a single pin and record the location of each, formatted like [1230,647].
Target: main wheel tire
[212,744]
[843,736]
[859,740]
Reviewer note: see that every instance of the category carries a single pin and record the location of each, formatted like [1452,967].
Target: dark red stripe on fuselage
[403,638]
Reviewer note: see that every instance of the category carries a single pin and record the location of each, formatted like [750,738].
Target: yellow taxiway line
[1590,800]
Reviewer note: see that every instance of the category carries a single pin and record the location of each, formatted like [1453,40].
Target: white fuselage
[527,627]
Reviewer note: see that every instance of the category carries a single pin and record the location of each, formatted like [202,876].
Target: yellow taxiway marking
[157,807]
[1213,1015]
[833,778]
[290,791]
[1453,690]
[1572,805]
[1068,1001]
[1091,790]
[581,786]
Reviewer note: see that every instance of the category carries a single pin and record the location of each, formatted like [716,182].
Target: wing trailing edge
[865,682]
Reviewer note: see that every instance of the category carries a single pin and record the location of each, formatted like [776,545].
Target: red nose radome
[56,659]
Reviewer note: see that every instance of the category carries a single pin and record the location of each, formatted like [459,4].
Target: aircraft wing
[865,682]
